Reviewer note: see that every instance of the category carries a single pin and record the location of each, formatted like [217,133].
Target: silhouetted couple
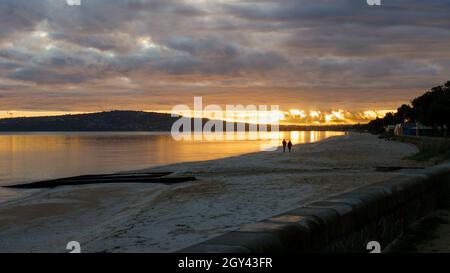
[289,145]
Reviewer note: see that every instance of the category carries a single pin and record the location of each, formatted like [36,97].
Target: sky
[328,56]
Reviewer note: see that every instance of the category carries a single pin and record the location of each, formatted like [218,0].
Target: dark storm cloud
[41,76]
[253,44]
[324,12]
[19,15]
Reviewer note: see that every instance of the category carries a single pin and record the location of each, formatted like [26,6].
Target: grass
[437,149]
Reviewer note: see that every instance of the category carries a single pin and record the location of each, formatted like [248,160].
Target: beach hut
[412,129]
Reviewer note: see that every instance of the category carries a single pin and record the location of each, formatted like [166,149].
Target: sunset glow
[298,117]
[120,56]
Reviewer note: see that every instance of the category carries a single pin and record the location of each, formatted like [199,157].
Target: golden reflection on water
[31,157]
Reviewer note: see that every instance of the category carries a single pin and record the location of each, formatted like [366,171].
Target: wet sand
[228,193]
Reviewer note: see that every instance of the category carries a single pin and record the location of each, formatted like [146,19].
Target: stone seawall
[342,223]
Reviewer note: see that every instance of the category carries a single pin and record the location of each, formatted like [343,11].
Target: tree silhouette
[431,109]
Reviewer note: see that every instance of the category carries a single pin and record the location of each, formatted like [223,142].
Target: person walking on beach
[289,146]
[284,145]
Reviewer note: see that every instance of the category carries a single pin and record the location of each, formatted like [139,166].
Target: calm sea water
[27,157]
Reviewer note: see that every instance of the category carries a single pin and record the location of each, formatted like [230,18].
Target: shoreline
[12,190]
[229,192]
[105,153]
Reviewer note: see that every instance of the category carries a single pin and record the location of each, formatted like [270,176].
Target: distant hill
[104,121]
[114,121]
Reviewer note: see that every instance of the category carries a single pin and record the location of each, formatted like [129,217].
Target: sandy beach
[228,193]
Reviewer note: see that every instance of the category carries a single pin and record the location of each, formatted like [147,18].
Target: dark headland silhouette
[104,121]
[116,121]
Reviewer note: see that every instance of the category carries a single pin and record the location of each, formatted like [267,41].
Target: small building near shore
[413,129]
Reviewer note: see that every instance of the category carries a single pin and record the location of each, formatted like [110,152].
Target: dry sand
[229,192]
